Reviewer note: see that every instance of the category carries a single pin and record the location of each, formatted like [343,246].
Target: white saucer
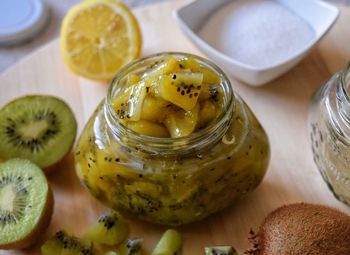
[21,20]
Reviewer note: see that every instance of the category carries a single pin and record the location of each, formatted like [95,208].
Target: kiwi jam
[161,175]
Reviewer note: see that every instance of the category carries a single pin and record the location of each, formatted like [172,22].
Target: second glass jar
[172,181]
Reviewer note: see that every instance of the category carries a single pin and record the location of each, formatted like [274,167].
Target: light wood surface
[281,106]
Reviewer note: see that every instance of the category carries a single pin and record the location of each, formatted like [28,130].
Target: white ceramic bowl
[318,14]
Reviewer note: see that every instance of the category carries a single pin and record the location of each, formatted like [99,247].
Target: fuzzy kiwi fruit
[110,229]
[303,229]
[39,128]
[220,250]
[63,243]
[26,203]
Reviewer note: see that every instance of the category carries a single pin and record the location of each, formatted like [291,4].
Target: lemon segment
[98,38]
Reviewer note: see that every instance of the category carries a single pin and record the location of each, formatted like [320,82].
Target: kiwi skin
[303,229]
[40,228]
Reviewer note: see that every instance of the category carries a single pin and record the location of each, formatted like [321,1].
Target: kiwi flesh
[303,229]
[132,246]
[26,203]
[220,250]
[39,128]
[169,244]
[110,229]
[64,244]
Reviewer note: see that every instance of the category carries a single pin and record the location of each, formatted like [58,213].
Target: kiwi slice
[39,128]
[26,203]
[110,229]
[132,246]
[169,244]
[63,243]
[220,250]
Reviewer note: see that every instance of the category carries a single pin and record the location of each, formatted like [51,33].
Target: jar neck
[343,95]
[194,143]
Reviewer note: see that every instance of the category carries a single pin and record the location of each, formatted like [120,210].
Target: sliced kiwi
[63,243]
[220,250]
[169,244]
[26,203]
[132,246]
[110,229]
[39,128]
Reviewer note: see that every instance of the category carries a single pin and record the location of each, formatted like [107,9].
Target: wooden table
[281,106]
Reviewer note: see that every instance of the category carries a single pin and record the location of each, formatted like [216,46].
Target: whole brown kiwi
[300,229]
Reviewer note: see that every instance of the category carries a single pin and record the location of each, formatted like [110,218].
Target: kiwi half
[26,203]
[303,229]
[39,128]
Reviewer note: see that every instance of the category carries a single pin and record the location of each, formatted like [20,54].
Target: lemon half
[98,37]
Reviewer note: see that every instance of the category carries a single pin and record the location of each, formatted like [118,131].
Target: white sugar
[260,33]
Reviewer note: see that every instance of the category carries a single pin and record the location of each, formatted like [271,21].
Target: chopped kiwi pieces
[220,250]
[26,203]
[183,96]
[166,94]
[132,246]
[182,123]
[110,229]
[150,128]
[207,113]
[129,105]
[39,128]
[169,244]
[63,243]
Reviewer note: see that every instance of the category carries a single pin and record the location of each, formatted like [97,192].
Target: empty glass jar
[329,127]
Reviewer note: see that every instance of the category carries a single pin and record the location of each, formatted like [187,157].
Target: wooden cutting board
[281,106]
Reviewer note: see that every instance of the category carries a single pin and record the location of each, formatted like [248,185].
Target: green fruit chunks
[64,244]
[165,67]
[209,76]
[25,203]
[128,105]
[131,247]
[181,94]
[169,244]
[154,109]
[148,128]
[110,229]
[207,113]
[220,250]
[182,123]
[39,128]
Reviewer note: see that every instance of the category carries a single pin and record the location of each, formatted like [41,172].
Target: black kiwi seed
[34,127]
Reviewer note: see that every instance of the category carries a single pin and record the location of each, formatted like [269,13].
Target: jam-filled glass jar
[172,181]
[329,127]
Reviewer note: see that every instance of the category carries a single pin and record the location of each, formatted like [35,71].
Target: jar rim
[344,83]
[179,142]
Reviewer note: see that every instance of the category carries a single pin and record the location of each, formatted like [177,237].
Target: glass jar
[329,127]
[172,181]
